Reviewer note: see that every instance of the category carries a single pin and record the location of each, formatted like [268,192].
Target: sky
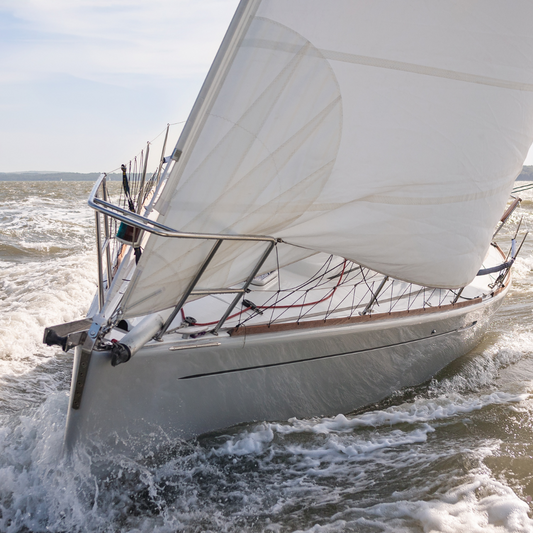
[84,84]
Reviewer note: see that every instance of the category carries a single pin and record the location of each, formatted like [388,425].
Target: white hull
[175,389]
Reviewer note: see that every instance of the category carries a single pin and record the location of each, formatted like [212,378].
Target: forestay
[386,132]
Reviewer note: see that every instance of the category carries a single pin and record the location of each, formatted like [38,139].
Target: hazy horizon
[43,175]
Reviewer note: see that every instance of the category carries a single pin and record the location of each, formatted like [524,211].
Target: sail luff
[196,119]
[207,95]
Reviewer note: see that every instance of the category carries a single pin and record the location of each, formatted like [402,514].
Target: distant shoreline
[54,176]
[525,175]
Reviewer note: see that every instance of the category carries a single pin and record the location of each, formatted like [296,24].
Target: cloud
[96,38]
[85,83]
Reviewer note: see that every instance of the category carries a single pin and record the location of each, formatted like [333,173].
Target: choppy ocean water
[453,455]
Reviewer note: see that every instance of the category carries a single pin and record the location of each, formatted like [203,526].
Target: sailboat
[322,234]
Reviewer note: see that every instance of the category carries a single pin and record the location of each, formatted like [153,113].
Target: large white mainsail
[386,132]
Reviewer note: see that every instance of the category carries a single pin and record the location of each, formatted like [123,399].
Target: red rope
[327,297]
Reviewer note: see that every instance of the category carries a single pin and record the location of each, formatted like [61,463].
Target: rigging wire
[291,306]
[151,142]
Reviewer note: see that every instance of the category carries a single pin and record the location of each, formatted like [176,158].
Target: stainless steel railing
[103,241]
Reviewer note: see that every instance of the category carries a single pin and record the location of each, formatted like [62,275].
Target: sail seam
[375,198]
[391,64]
[425,70]
[428,200]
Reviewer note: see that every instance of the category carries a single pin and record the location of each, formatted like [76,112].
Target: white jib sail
[389,133]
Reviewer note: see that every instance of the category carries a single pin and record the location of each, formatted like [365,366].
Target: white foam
[247,443]
[480,505]
[51,281]
[336,449]
[56,280]
[422,410]
[39,295]
[522,269]
[483,370]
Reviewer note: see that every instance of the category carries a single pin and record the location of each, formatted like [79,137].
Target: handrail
[99,259]
[151,226]
[143,223]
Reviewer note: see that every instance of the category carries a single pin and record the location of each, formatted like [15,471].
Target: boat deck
[323,288]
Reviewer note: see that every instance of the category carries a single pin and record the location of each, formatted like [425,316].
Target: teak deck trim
[272,328]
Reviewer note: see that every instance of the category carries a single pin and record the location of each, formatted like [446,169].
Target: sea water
[453,455]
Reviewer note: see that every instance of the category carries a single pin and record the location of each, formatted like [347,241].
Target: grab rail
[143,223]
